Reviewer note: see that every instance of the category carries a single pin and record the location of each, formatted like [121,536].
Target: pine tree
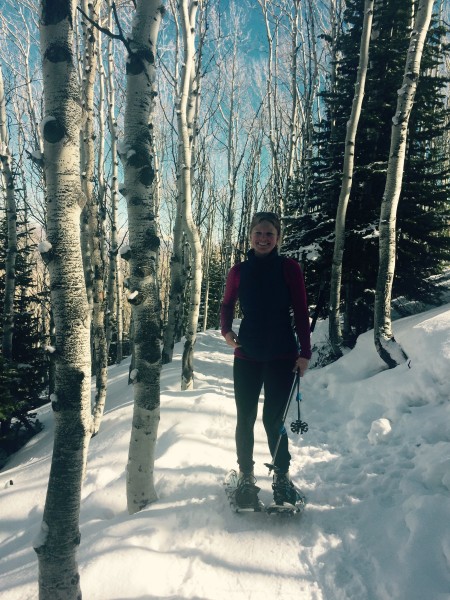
[23,378]
[423,210]
[215,291]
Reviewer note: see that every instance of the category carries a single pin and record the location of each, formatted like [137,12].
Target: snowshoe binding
[242,492]
[286,497]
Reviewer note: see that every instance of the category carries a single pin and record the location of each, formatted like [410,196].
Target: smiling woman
[267,286]
[264,233]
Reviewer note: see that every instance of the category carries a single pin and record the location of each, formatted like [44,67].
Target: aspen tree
[108,287]
[232,80]
[57,543]
[250,194]
[293,122]
[290,114]
[176,294]
[309,76]
[18,31]
[102,201]
[388,349]
[177,281]
[276,199]
[347,174]
[139,174]
[229,107]
[7,181]
[208,255]
[187,111]
[94,264]
[114,273]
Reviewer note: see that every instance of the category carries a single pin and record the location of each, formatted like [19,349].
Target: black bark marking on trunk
[55,11]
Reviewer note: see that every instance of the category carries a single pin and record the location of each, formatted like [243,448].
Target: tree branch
[106,31]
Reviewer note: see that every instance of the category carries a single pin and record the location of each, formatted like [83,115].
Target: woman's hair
[271,217]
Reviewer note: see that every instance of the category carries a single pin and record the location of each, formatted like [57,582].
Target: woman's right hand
[232,339]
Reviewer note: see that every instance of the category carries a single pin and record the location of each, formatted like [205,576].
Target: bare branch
[115,36]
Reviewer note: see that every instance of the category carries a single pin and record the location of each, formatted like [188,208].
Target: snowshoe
[242,492]
[286,497]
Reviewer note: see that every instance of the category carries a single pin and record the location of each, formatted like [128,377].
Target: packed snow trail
[374,466]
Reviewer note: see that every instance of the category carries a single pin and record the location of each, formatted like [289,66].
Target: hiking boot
[246,495]
[284,491]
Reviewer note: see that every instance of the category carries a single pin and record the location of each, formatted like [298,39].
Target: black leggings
[249,377]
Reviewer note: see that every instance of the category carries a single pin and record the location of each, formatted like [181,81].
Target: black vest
[266,328]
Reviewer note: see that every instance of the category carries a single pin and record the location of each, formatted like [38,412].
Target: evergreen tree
[24,379]
[423,209]
[215,291]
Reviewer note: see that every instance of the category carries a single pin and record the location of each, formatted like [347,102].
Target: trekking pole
[299,426]
[271,466]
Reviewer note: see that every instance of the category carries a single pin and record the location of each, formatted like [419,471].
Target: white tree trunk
[276,199]
[115,272]
[208,257]
[95,269]
[388,349]
[310,69]
[138,164]
[57,544]
[347,176]
[185,117]
[172,331]
[232,89]
[11,220]
[176,296]
[294,132]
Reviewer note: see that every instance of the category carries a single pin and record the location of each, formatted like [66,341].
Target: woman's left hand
[301,364]
[232,339]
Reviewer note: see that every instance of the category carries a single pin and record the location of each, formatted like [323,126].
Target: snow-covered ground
[375,466]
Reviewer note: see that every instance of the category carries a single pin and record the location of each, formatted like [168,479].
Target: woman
[268,286]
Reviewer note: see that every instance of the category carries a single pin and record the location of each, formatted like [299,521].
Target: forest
[137,139]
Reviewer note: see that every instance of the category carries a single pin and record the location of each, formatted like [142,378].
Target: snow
[4,150]
[44,246]
[36,155]
[122,147]
[374,464]
[41,536]
[379,431]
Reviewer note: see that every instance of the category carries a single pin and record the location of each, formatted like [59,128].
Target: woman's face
[263,238]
